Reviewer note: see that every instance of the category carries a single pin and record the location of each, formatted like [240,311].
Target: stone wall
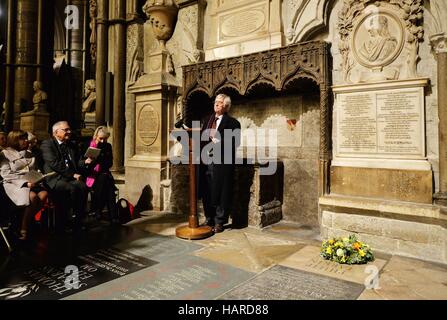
[406,238]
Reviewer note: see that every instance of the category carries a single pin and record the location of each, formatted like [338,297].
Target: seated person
[35,150]
[60,155]
[2,140]
[15,162]
[99,178]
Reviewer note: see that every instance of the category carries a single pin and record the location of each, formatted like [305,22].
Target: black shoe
[209,223]
[218,228]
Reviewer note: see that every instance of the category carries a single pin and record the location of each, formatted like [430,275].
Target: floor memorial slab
[308,259]
[185,278]
[248,251]
[410,279]
[283,283]
[56,282]
[159,248]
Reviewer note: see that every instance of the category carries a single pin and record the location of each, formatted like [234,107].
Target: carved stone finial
[162,14]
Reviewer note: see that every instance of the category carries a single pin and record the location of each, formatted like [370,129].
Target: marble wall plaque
[381,124]
[148,125]
[241,23]
[283,283]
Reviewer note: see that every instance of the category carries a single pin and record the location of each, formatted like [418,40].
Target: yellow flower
[329,251]
[356,246]
[362,253]
[331,242]
[345,239]
[339,244]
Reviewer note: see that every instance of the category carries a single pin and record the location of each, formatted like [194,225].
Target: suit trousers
[71,195]
[214,214]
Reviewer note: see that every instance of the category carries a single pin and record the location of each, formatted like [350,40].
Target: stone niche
[242,26]
[296,121]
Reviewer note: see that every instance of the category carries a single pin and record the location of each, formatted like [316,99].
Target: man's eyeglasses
[65,129]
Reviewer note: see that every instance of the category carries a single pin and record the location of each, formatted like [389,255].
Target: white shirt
[219,119]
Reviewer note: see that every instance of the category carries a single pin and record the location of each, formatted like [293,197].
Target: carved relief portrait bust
[377,40]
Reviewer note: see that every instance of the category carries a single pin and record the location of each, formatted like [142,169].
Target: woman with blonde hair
[15,163]
[100,179]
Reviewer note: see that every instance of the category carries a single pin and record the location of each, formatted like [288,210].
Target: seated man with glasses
[61,156]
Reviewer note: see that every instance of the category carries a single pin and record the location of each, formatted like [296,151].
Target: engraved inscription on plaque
[386,123]
[357,123]
[283,283]
[399,123]
[148,125]
[241,23]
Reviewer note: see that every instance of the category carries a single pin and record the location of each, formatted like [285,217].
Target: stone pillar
[76,38]
[439,43]
[101,61]
[9,97]
[25,59]
[119,88]
[40,44]
[155,94]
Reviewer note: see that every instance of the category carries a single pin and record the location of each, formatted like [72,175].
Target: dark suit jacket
[54,161]
[223,174]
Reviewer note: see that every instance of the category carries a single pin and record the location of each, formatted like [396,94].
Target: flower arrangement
[346,251]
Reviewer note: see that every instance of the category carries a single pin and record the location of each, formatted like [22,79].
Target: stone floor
[145,261]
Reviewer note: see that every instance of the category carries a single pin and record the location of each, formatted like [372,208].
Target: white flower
[340,252]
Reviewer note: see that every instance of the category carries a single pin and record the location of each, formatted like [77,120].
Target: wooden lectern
[193,231]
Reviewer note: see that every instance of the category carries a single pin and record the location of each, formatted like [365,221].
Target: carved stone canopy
[276,68]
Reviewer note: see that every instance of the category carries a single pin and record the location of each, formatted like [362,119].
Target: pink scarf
[91,178]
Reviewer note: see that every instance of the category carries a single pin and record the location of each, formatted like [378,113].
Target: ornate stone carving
[439,43]
[89,105]
[93,13]
[302,18]
[162,14]
[90,96]
[135,54]
[380,39]
[290,17]
[40,97]
[438,37]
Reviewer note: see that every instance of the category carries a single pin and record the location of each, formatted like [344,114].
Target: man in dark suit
[60,155]
[222,136]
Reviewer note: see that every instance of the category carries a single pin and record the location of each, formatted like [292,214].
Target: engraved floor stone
[282,283]
[410,279]
[187,278]
[159,248]
[86,271]
[252,252]
[309,259]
